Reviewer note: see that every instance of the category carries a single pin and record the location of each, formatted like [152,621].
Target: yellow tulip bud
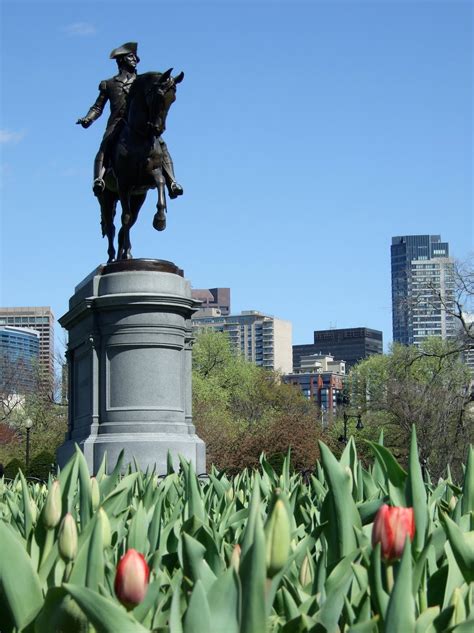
[306,572]
[67,543]
[235,558]
[350,475]
[52,507]
[277,534]
[95,494]
[34,511]
[105,525]
[229,494]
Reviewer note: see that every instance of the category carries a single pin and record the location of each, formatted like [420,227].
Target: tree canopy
[428,386]
[240,409]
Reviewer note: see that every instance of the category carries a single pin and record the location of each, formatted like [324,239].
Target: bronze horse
[136,159]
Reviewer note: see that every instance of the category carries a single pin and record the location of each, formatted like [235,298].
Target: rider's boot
[174,188]
[98,185]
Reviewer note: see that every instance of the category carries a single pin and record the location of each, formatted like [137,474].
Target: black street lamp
[28,425]
[359,425]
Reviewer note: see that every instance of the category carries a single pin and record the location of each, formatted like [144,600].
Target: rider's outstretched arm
[96,110]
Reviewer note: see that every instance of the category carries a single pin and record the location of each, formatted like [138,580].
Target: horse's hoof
[110,260]
[175,190]
[159,221]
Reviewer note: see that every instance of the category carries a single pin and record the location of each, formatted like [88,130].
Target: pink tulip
[131,579]
[391,527]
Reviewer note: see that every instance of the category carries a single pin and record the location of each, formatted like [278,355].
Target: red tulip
[391,528]
[131,579]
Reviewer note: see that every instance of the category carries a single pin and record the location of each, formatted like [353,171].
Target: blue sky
[305,136]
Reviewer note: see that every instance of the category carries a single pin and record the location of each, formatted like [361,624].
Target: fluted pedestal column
[129,361]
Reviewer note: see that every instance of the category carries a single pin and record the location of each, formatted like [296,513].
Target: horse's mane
[143,80]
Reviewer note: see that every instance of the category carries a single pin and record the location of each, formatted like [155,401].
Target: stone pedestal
[129,361]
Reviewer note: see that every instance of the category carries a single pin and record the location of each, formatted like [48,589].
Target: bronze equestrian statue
[132,157]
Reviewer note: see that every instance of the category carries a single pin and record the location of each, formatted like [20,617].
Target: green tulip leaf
[416,494]
[252,576]
[198,616]
[467,502]
[20,589]
[106,615]
[392,469]
[224,603]
[462,545]
[400,617]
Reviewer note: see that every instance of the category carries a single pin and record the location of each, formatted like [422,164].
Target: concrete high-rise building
[19,355]
[422,288]
[344,344]
[218,298]
[40,319]
[260,338]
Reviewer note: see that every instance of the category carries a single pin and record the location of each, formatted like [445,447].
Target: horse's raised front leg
[159,219]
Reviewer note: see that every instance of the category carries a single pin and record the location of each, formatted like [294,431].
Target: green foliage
[261,551]
[426,386]
[240,409]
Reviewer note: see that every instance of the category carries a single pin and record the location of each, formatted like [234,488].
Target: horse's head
[158,91]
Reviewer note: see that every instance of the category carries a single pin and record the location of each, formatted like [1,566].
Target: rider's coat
[114,90]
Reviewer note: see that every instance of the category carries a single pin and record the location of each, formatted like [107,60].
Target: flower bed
[259,552]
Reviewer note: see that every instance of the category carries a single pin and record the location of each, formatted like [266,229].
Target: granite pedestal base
[129,362]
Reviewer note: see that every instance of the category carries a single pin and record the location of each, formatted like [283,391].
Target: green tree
[26,393]
[427,386]
[240,409]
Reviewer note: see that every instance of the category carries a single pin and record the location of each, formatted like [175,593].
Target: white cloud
[80,29]
[7,136]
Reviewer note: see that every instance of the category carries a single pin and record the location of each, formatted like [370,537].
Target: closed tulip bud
[95,494]
[52,506]
[277,535]
[452,502]
[306,572]
[229,494]
[131,579]
[350,475]
[105,525]
[391,527]
[67,543]
[34,511]
[235,558]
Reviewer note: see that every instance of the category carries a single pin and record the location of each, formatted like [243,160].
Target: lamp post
[28,425]
[346,416]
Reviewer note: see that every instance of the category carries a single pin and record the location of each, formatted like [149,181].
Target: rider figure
[116,90]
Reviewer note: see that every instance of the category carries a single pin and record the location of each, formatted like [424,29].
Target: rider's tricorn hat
[125,49]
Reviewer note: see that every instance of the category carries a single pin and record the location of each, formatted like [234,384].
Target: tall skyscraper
[213,298]
[40,319]
[260,338]
[422,288]
[348,344]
